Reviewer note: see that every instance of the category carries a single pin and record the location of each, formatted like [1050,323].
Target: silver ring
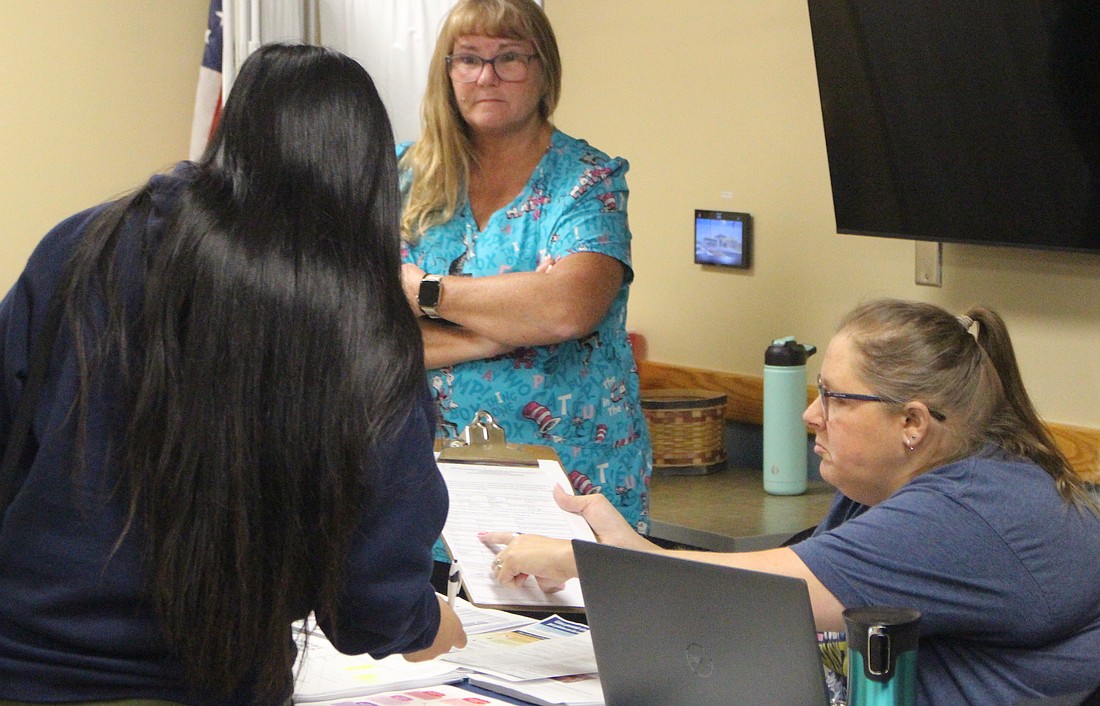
[497,563]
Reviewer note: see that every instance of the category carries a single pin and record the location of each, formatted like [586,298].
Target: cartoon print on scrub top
[608,201]
[442,389]
[458,265]
[533,205]
[582,484]
[579,396]
[589,343]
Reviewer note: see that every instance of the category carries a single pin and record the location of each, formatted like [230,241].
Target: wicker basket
[688,430]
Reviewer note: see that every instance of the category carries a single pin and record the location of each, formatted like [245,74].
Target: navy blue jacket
[75,624]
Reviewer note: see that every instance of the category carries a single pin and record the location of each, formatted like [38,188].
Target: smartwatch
[431,292]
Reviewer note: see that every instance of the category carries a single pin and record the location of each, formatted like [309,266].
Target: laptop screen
[668,630]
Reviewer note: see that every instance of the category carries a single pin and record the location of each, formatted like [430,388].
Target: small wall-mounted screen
[723,238]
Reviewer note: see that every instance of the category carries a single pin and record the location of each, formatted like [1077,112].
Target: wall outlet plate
[929,264]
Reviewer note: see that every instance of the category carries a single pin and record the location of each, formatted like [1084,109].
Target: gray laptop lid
[670,631]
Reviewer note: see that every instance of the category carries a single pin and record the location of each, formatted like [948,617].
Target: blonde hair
[436,169]
[915,351]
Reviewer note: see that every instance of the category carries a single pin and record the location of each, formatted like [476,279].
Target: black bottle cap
[786,352]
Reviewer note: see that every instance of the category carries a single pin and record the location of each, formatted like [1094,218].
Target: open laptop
[671,631]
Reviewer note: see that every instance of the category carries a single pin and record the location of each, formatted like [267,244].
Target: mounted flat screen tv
[968,121]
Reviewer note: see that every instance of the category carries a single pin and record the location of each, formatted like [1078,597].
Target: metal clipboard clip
[485,443]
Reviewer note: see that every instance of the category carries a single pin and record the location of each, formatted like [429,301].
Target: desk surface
[707,510]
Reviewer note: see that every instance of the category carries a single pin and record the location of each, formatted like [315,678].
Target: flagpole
[254,26]
[229,45]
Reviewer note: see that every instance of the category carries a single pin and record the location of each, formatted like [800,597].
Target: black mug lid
[787,352]
[881,634]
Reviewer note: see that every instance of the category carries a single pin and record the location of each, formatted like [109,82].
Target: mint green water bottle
[882,656]
[784,431]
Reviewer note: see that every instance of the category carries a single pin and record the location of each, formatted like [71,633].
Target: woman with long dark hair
[234,430]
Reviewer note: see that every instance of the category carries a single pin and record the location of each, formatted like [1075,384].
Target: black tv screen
[972,121]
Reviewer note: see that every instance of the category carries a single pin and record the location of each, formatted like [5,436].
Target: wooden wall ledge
[745,403]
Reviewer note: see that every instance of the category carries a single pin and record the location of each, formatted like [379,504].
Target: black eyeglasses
[824,393]
[510,66]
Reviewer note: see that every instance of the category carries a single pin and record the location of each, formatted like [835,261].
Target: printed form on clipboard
[517,496]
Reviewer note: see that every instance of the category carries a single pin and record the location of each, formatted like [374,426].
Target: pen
[452,583]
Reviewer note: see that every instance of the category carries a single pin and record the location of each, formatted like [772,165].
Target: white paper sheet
[553,647]
[323,673]
[487,498]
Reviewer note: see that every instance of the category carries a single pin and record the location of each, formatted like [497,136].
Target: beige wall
[706,97]
[95,96]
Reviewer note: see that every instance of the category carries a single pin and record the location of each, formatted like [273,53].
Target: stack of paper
[428,696]
[476,621]
[576,690]
[550,663]
[325,674]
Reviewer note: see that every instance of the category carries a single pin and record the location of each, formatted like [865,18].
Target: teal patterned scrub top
[580,396]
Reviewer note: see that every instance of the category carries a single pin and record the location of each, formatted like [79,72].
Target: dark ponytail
[1016,426]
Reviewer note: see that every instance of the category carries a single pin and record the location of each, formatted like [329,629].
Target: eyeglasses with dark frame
[510,66]
[824,393]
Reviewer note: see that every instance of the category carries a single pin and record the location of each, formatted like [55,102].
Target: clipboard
[485,443]
[497,486]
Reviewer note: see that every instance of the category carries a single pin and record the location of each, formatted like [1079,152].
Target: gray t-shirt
[1005,575]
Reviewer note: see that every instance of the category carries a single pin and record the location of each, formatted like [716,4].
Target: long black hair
[271,350]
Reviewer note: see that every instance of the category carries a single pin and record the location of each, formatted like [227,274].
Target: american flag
[208,95]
